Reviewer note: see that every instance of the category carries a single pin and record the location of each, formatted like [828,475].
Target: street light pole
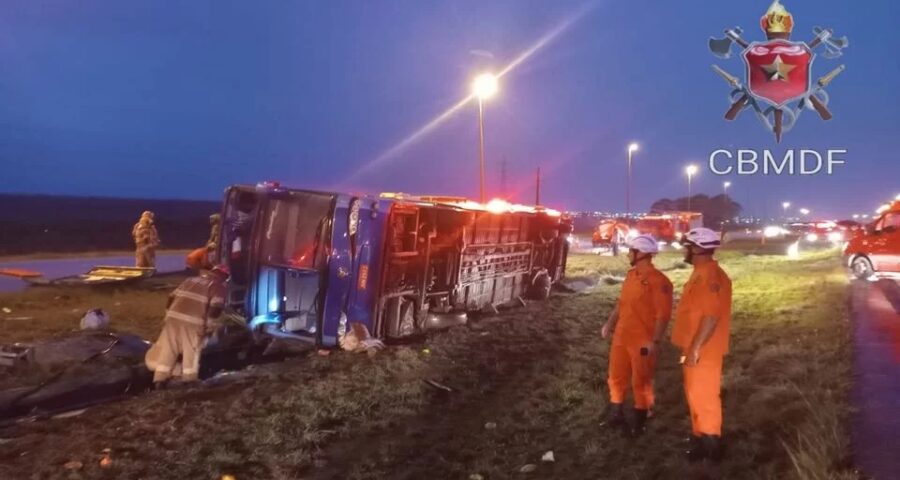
[481,149]
[484,87]
[691,170]
[725,188]
[631,149]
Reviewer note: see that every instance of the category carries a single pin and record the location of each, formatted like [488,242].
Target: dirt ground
[525,382]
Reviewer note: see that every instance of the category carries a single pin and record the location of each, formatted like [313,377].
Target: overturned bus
[306,264]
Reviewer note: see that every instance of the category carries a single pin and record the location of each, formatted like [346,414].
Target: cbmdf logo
[778,73]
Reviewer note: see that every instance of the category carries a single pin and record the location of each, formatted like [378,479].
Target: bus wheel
[862,268]
[540,286]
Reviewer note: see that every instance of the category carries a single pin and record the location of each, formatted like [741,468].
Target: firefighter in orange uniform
[637,324]
[701,331]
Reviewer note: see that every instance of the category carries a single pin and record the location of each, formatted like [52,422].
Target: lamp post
[691,170]
[784,207]
[631,149]
[484,87]
[725,188]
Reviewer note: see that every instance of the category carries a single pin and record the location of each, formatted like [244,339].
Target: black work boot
[615,417]
[639,423]
[712,446]
[695,451]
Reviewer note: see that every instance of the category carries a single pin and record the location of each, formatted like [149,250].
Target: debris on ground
[528,468]
[548,457]
[70,414]
[323,353]
[228,477]
[438,385]
[6,310]
[95,319]
[490,426]
[73,465]
[358,339]
[106,461]
[476,476]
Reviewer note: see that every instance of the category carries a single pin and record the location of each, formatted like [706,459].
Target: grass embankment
[47,311]
[527,381]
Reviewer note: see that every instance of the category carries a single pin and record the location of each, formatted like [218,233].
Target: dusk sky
[178,99]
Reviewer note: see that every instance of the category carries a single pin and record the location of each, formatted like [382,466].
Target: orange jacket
[706,293]
[646,297]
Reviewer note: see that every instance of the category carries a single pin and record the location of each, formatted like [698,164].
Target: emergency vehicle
[306,264]
[668,227]
[874,251]
[609,234]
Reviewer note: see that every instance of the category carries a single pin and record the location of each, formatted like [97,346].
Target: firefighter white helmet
[644,243]
[703,238]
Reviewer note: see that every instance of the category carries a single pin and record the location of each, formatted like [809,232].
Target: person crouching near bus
[191,316]
[637,325]
[701,331]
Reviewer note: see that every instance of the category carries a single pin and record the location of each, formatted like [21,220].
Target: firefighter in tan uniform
[146,241]
[701,332]
[190,318]
[637,325]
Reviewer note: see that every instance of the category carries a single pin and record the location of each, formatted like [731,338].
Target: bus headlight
[353,221]
[342,325]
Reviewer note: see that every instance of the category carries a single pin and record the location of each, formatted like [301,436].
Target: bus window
[293,230]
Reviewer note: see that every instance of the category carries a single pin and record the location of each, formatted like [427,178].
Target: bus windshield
[293,229]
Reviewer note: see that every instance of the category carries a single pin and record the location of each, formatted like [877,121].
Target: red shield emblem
[778,71]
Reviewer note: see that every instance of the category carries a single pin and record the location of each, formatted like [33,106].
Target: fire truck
[668,227]
[874,251]
[306,264]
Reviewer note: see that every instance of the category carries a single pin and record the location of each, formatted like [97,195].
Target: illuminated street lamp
[725,188]
[691,170]
[855,216]
[784,207]
[484,87]
[804,211]
[631,149]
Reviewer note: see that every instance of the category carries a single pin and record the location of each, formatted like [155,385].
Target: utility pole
[503,193]
[537,190]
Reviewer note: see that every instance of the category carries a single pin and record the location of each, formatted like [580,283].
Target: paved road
[876,391]
[72,266]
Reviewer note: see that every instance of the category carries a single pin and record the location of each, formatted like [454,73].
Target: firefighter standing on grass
[191,317]
[146,241]
[637,324]
[701,331]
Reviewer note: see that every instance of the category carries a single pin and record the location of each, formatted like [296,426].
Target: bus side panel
[368,262]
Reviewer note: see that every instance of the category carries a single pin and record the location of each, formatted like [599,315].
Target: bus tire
[540,286]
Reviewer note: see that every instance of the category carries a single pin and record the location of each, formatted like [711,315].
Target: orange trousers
[628,367]
[702,386]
